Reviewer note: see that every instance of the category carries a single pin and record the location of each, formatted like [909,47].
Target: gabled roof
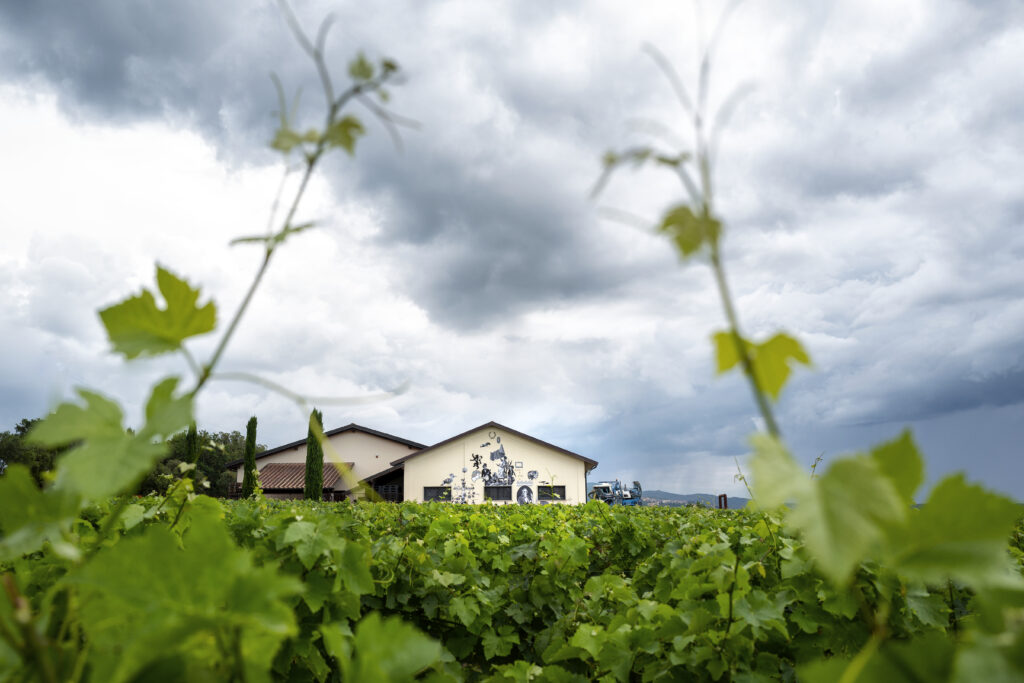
[292,475]
[353,427]
[589,464]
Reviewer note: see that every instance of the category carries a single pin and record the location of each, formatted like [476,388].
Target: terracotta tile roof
[292,475]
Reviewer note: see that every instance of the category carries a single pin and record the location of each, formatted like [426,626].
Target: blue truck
[613,493]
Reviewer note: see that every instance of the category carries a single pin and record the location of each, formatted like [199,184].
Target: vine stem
[857,664]
[732,589]
[744,354]
[34,644]
[715,254]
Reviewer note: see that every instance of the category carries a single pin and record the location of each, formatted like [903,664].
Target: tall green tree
[192,448]
[314,459]
[249,476]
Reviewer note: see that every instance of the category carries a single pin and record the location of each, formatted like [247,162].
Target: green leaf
[178,597]
[727,355]
[447,579]
[499,643]
[137,326]
[961,532]
[385,650]
[777,477]
[771,359]
[928,657]
[466,609]
[344,133]
[360,68]
[763,613]
[901,462]
[930,608]
[106,458]
[285,139]
[99,418]
[842,515]
[688,231]
[589,637]
[165,414]
[29,518]
[354,566]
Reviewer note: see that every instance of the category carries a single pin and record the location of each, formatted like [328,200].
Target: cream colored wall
[368,453]
[432,468]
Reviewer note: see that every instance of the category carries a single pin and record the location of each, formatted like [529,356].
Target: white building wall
[532,464]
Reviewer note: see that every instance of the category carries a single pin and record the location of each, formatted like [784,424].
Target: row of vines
[262,589]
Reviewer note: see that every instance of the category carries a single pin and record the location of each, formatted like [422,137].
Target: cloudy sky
[870,182]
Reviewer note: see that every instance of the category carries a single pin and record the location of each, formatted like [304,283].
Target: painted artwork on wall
[494,469]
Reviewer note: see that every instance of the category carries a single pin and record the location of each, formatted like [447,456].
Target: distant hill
[655,496]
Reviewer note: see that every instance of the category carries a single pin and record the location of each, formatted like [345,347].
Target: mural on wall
[496,470]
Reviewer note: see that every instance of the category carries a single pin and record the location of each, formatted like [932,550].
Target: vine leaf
[165,414]
[688,231]
[360,69]
[30,517]
[771,359]
[928,657]
[344,132]
[842,514]
[961,533]
[382,649]
[286,139]
[137,326]
[106,458]
[176,597]
[901,462]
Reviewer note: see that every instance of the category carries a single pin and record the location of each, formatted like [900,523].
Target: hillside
[667,499]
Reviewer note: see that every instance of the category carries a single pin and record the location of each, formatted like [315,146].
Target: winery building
[489,463]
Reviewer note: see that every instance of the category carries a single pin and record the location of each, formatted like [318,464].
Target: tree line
[209,451]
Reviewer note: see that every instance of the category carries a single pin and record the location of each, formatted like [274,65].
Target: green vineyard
[283,590]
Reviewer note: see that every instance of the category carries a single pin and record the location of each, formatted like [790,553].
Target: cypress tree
[250,475]
[314,460]
[192,449]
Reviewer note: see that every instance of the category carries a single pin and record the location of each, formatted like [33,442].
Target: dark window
[437,493]
[550,492]
[389,492]
[498,492]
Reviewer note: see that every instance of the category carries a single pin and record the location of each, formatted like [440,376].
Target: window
[389,492]
[550,492]
[437,493]
[498,492]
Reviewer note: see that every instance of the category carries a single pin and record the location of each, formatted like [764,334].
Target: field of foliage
[257,590]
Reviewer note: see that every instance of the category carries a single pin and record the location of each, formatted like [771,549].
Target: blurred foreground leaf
[199,599]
